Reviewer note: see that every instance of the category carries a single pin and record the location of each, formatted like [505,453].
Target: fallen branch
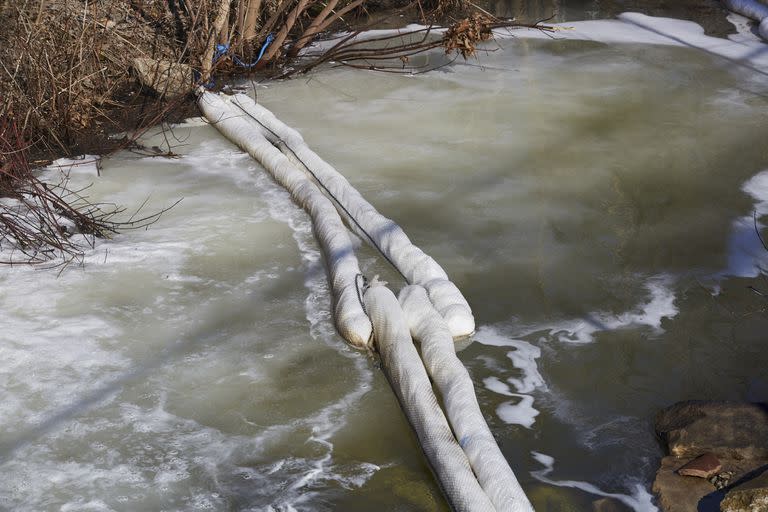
[461,38]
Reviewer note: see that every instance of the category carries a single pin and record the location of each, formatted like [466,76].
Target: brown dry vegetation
[65,87]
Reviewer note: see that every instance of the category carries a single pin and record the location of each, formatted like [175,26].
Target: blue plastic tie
[266,44]
[223,49]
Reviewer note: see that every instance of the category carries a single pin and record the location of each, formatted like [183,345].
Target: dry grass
[64,66]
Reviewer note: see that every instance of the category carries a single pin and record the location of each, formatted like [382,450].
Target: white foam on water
[159,245]
[636,28]
[332,418]
[523,358]
[60,176]
[660,305]
[54,360]
[354,476]
[57,353]
[83,165]
[746,255]
[743,26]
[191,122]
[51,360]
[521,412]
[527,381]
[640,500]
[757,187]
[90,506]
[214,157]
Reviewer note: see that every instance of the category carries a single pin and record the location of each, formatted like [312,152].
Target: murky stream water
[593,202]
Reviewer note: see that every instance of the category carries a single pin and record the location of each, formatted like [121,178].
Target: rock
[676,493]
[746,501]
[164,77]
[682,494]
[703,466]
[726,429]
[721,480]
[731,435]
[750,496]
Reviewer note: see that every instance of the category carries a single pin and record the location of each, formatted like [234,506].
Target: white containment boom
[350,319]
[401,363]
[465,459]
[383,233]
[753,9]
[455,385]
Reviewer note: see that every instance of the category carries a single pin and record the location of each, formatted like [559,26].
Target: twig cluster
[392,51]
[39,221]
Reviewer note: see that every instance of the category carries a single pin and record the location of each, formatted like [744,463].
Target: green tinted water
[589,200]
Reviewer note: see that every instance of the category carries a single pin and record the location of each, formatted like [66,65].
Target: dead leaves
[464,35]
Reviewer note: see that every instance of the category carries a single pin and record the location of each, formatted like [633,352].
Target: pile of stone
[717,457]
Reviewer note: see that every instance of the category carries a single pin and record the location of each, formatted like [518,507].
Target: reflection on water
[592,202]
[708,13]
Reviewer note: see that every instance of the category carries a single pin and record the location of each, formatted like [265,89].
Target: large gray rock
[727,429]
[164,77]
[750,496]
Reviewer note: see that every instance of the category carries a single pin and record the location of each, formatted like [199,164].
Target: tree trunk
[217,32]
[283,33]
[251,19]
[352,5]
[312,29]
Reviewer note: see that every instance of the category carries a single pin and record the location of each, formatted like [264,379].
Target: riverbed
[594,202]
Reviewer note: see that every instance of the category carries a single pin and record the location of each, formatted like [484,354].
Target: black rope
[358,288]
[319,182]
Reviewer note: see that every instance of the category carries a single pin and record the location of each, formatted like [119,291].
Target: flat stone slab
[703,466]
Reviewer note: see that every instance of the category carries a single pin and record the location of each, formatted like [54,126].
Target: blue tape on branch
[223,49]
[264,47]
